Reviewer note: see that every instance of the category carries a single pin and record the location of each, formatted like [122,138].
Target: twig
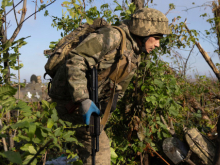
[168,11]
[24,9]
[15,13]
[45,158]
[38,152]
[20,24]
[158,154]
[184,70]
[3,139]
[84,8]
[147,2]
[170,129]
[35,16]
[13,7]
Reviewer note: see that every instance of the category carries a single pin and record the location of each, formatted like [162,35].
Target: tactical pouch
[200,145]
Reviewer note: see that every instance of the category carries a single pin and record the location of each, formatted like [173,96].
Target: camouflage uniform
[100,49]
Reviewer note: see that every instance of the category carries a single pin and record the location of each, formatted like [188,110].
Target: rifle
[94,125]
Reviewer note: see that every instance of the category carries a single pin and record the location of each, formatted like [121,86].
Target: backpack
[202,146]
[58,56]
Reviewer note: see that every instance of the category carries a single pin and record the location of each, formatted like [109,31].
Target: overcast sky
[42,33]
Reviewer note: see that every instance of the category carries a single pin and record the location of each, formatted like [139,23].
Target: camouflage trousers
[103,157]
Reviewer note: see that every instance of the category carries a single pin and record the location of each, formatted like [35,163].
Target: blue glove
[87,108]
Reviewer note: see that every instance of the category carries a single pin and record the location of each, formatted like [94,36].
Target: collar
[124,26]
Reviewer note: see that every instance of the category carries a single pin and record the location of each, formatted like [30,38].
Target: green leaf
[173,111]
[32,129]
[20,124]
[43,133]
[50,123]
[23,107]
[45,103]
[66,3]
[53,105]
[68,134]
[118,8]
[28,158]
[89,21]
[7,90]
[113,154]
[13,157]
[36,140]
[54,117]
[32,150]
[25,147]
[71,139]
[51,46]
[158,82]
[58,132]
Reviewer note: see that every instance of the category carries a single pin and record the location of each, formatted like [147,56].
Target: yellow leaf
[41,1]
[182,38]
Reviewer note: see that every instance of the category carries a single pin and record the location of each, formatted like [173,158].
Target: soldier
[101,49]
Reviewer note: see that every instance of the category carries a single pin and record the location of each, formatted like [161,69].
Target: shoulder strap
[109,105]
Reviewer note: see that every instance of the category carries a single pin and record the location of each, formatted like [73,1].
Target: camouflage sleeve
[90,51]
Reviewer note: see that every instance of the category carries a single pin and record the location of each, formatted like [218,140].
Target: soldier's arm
[88,54]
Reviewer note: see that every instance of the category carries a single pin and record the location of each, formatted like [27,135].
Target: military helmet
[148,21]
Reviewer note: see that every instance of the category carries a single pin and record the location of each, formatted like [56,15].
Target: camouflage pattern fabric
[147,22]
[98,49]
[200,145]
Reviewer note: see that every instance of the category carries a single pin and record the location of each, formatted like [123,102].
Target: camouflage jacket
[100,49]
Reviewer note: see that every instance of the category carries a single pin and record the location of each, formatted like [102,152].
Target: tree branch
[3,139]
[15,13]
[184,71]
[21,22]
[35,16]
[24,9]
[206,56]
[13,7]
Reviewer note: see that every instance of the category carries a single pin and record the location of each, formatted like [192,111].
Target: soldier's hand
[87,108]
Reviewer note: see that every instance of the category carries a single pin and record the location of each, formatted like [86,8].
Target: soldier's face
[152,43]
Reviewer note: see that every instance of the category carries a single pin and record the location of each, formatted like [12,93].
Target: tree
[9,43]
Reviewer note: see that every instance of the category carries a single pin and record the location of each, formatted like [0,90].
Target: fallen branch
[148,146]
[169,128]
[205,55]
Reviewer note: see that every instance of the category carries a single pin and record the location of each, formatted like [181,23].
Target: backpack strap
[109,105]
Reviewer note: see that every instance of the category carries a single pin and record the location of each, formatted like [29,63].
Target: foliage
[76,14]
[156,91]
[34,127]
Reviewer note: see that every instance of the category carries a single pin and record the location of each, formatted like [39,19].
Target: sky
[42,33]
